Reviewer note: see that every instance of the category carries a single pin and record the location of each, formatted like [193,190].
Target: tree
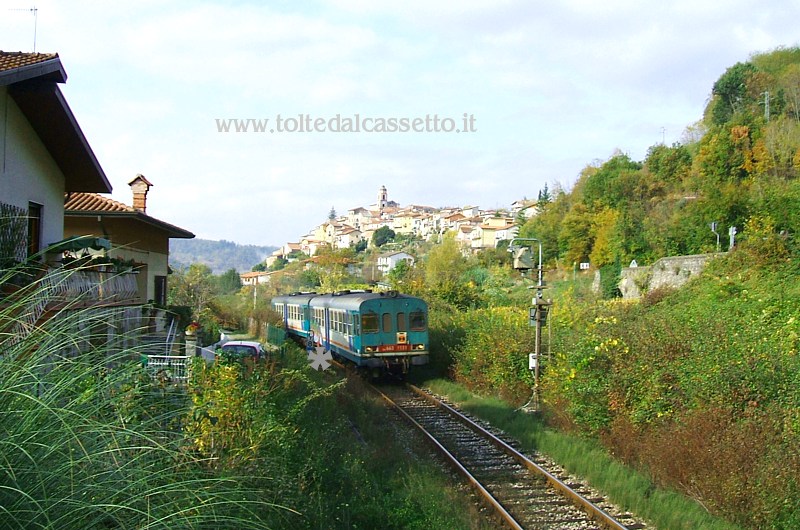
[259,267]
[544,196]
[669,164]
[576,236]
[722,157]
[397,276]
[229,282]
[332,267]
[790,84]
[382,235]
[497,256]
[604,247]
[309,278]
[445,263]
[278,264]
[332,214]
[606,187]
[193,287]
[445,269]
[729,92]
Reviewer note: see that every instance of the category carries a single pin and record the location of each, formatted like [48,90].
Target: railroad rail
[521,492]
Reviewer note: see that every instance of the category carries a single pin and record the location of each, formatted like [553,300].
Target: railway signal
[523,262]
[713,226]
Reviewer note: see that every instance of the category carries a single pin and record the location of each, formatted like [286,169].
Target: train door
[306,317]
[402,331]
[327,336]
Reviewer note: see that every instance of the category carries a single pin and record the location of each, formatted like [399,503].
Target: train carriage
[295,312]
[385,331]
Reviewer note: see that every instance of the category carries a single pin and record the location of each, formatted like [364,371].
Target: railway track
[521,492]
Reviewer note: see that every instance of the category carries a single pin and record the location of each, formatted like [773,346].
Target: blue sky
[553,86]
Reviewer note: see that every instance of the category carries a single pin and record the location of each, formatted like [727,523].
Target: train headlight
[369,349]
[419,346]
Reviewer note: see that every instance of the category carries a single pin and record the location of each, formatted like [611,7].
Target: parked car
[236,350]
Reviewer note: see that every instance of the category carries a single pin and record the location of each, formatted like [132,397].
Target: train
[381,332]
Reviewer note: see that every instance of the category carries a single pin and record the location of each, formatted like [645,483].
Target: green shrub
[699,386]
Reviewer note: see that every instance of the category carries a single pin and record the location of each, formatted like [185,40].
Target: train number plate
[383,348]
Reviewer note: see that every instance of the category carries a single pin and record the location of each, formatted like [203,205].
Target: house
[44,158]
[357,217]
[404,222]
[135,236]
[255,278]
[310,245]
[347,236]
[464,236]
[328,231]
[526,208]
[44,154]
[453,221]
[387,261]
[470,211]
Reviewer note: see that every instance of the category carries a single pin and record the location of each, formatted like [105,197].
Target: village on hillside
[475,229]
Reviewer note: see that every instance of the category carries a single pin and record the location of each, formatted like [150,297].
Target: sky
[537,89]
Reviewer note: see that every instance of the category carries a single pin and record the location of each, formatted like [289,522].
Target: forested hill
[219,255]
[739,166]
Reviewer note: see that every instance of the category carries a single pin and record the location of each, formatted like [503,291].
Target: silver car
[236,350]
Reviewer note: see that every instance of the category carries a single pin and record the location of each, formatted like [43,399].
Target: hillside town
[474,227]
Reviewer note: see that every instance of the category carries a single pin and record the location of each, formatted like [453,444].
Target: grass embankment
[699,388]
[665,509]
[327,449]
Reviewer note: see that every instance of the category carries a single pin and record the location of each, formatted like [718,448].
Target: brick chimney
[140,186]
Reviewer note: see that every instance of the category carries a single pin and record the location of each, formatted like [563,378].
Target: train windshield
[417,319]
[369,323]
[401,322]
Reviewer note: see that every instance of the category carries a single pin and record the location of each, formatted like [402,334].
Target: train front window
[387,322]
[417,319]
[369,323]
[401,322]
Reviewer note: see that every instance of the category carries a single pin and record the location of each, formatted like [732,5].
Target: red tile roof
[83,204]
[92,202]
[11,60]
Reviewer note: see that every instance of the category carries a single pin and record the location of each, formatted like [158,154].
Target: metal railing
[90,287]
[276,338]
[175,369]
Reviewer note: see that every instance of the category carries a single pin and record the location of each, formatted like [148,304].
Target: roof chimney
[140,186]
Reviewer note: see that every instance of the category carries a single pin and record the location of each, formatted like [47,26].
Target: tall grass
[87,440]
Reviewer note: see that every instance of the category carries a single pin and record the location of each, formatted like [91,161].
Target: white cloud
[553,85]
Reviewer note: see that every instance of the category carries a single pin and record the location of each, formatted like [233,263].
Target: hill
[219,255]
[739,169]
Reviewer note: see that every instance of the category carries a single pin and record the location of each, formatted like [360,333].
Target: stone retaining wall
[672,272]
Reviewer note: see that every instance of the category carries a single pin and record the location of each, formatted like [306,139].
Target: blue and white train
[385,332]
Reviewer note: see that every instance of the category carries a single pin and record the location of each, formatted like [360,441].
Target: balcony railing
[91,287]
[40,292]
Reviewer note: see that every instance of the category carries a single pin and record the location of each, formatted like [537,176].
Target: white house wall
[27,171]
[157,265]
